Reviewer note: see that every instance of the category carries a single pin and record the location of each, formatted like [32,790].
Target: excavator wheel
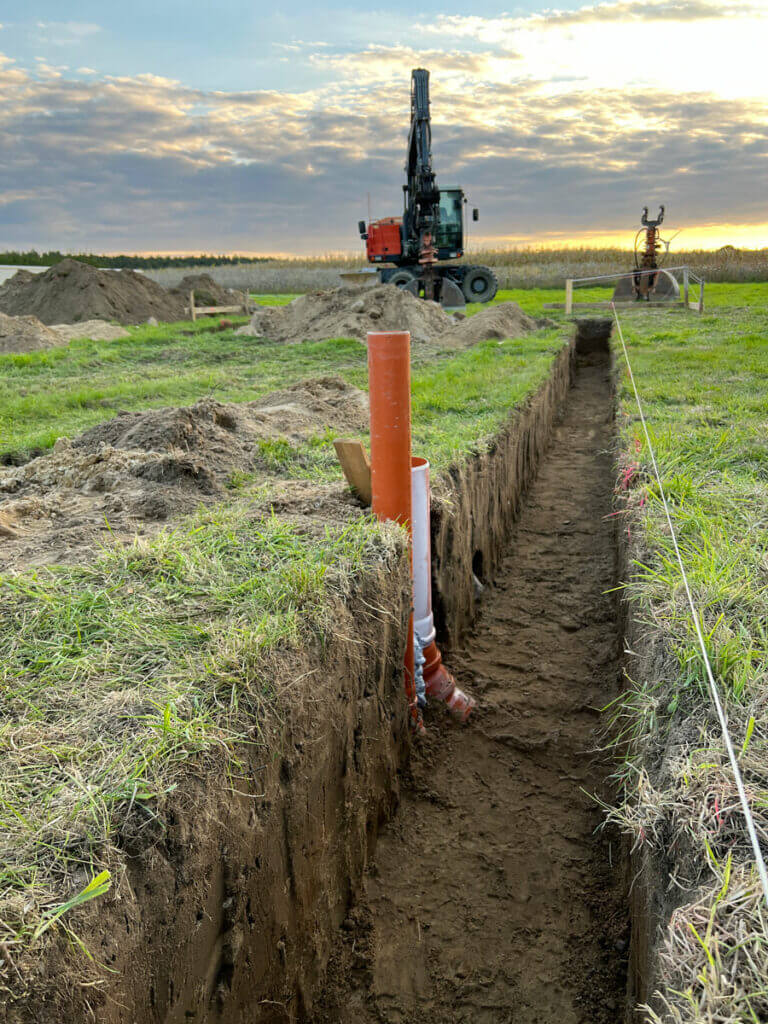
[401,278]
[479,284]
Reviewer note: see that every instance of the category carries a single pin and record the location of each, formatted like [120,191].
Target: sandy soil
[493,900]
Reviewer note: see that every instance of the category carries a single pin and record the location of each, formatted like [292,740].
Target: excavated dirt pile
[72,292]
[352,312]
[25,334]
[207,291]
[28,334]
[144,467]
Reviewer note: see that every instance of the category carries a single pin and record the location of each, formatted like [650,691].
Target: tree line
[33,258]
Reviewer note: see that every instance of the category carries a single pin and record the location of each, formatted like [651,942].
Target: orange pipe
[389,388]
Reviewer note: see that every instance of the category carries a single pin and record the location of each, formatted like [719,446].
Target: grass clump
[115,674]
[703,386]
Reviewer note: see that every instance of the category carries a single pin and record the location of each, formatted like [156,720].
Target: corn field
[515,268]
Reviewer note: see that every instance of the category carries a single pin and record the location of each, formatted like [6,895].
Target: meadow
[72,646]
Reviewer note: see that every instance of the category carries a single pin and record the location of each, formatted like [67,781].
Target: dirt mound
[72,292]
[148,466]
[207,291]
[25,334]
[350,313]
[505,320]
[28,334]
[95,330]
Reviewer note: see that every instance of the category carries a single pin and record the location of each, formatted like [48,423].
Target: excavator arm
[422,196]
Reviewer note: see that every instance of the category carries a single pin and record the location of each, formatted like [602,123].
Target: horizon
[245,130]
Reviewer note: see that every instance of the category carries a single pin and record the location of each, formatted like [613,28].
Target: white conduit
[713,689]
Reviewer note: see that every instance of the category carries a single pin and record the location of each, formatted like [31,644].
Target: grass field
[116,672]
[83,640]
[704,386]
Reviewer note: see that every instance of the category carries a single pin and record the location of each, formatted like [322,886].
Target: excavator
[410,249]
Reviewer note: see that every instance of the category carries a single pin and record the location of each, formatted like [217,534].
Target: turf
[703,384]
[117,673]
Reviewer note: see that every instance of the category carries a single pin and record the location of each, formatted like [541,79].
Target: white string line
[714,692]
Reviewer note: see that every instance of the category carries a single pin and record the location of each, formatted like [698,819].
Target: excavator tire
[401,278]
[480,284]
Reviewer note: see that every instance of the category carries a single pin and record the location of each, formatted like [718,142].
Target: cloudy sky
[161,125]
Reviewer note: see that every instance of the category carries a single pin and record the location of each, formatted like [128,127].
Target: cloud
[66,33]
[541,143]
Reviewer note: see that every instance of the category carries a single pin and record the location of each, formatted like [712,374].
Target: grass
[703,383]
[119,674]
[115,674]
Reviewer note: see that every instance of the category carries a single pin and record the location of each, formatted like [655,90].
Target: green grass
[116,673]
[704,387]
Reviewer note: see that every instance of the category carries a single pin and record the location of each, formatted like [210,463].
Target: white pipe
[423,620]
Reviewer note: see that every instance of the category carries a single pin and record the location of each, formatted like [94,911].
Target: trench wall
[229,915]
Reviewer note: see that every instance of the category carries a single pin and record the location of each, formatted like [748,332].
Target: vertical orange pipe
[389,387]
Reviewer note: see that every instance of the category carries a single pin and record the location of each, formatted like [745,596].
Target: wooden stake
[192,311]
[569,296]
[356,467]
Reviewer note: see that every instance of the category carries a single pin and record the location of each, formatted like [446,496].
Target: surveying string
[714,692]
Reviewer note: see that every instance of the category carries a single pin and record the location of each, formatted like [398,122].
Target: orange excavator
[410,249]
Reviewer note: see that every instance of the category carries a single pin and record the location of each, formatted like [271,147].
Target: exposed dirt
[207,291]
[352,312]
[28,334]
[493,900]
[25,334]
[72,292]
[138,469]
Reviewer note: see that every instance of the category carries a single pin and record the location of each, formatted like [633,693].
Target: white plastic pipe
[423,620]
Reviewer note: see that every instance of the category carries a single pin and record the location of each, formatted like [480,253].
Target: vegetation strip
[704,388]
[713,687]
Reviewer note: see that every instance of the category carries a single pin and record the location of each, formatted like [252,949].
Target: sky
[263,128]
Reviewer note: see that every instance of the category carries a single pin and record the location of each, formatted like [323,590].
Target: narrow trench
[495,898]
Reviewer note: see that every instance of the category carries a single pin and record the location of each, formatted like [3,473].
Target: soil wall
[478,500]
[230,913]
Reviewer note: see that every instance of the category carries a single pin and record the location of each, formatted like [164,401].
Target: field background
[515,268]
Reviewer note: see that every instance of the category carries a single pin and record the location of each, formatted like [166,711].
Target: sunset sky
[170,126]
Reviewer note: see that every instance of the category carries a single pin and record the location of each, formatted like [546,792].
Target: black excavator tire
[401,278]
[480,284]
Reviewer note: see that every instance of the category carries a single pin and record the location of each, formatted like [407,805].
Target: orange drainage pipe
[389,388]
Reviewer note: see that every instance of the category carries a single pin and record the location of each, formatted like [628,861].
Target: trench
[495,897]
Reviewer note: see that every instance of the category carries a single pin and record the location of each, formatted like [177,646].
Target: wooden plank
[217,309]
[356,467]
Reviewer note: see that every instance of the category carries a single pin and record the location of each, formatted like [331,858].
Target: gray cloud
[145,163]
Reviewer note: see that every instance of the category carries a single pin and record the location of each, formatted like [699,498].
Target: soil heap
[352,312]
[25,334]
[28,334]
[207,291]
[144,467]
[71,292]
